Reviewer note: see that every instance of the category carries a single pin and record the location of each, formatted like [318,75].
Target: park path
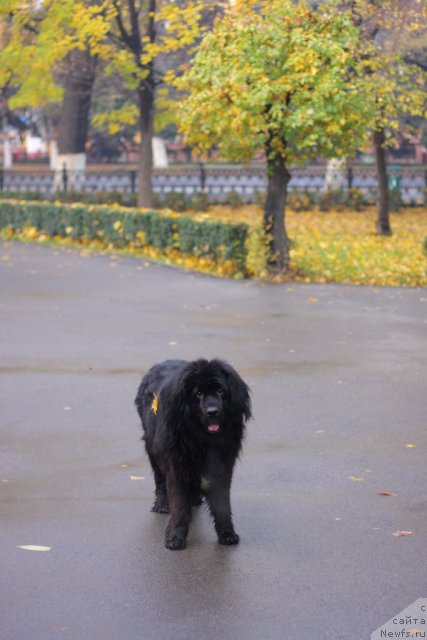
[338,380]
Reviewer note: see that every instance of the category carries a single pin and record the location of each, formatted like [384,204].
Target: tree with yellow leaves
[54,48]
[393,33]
[278,76]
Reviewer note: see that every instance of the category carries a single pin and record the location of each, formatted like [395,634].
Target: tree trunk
[79,76]
[74,118]
[145,164]
[146,111]
[383,219]
[274,214]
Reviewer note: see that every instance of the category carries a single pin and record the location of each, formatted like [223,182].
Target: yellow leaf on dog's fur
[154,404]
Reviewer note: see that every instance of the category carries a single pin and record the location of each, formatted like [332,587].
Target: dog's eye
[220,392]
[199,395]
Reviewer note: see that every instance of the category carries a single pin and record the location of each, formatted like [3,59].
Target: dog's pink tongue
[213,427]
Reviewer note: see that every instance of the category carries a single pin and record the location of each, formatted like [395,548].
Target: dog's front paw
[228,537]
[160,506]
[174,543]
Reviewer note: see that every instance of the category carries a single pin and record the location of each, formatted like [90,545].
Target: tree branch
[126,39]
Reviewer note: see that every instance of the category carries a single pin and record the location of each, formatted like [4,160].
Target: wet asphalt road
[338,376]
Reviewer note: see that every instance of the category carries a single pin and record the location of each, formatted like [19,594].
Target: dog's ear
[239,391]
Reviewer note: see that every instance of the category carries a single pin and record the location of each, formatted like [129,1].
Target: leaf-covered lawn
[343,247]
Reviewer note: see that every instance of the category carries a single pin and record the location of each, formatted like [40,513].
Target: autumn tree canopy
[393,32]
[122,37]
[278,76]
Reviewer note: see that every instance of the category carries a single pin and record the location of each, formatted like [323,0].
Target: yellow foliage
[141,238]
[342,247]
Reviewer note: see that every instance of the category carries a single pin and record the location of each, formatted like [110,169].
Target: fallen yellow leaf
[356,479]
[34,547]
[137,477]
[410,445]
[399,534]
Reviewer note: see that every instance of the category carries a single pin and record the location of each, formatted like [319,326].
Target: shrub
[220,244]
[25,195]
[216,240]
[86,197]
[176,201]
[356,200]
[336,200]
[260,198]
[394,199]
[234,199]
[331,200]
[199,201]
[425,245]
[300,201]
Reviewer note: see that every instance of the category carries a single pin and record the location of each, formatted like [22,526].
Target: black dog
[193,415]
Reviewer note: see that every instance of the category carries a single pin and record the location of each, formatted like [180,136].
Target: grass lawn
[343,246]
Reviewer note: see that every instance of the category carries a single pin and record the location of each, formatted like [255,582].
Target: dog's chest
[193,455]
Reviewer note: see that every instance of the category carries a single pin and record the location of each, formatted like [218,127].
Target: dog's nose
[212,412]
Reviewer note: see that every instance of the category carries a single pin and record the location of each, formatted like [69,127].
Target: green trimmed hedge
[120,228]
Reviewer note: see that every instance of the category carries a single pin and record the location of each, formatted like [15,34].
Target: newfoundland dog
[193,416]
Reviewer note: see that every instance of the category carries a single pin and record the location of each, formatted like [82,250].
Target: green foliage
[337,200]
[391,29]
[175,200]
[331,200]
[425,246]
[38,37]
[213,239]
[199,201]
[86,197]
[356,199]
[277,76]
[234,199]
[220,242]
[395,199]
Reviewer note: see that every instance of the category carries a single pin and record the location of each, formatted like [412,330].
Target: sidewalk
[338,383]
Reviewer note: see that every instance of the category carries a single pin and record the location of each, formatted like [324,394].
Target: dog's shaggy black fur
[193,415]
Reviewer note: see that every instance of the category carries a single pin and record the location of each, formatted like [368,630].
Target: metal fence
[217,182]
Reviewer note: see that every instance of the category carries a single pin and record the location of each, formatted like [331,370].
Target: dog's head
[214,394]
[209,405]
